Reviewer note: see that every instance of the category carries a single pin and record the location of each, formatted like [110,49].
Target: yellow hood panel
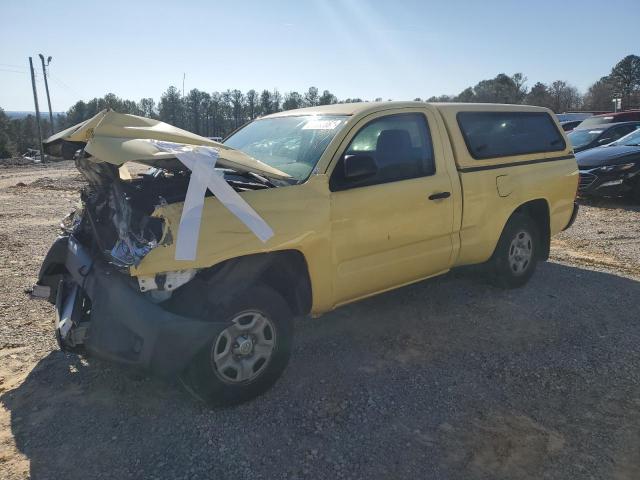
[118,138]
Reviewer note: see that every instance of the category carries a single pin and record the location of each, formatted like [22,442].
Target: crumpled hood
[607,155]
[119,138]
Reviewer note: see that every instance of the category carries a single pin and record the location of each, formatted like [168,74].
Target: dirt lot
[449,378]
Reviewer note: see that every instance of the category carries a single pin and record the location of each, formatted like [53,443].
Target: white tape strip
[202,161]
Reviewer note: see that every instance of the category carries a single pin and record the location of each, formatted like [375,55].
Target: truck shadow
[449,376]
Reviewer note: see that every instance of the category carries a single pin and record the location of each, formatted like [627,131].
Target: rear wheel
[246,356]
[515,257]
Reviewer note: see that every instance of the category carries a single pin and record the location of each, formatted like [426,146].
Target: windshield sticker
[321,124]
[202,161]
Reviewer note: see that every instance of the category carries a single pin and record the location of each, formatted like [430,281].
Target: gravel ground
[449,378]
[605,235]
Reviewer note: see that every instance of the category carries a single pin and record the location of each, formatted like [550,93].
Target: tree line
[623,82]
[217,114]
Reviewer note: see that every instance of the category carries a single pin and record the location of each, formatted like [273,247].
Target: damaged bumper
[97,308]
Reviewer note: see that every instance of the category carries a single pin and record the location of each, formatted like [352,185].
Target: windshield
[597,120]
[633,139]
[291,144]
[580,138]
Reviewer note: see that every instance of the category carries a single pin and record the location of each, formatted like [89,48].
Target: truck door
[391,204]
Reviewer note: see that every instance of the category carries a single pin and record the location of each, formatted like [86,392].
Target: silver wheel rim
[520,252]
[242,351]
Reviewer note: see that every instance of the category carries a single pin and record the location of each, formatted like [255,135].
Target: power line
[11,65]
[63,85]
[13,71]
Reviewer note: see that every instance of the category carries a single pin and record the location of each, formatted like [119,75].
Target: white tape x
[202,161]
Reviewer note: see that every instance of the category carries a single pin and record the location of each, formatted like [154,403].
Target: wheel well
[538,211]
[285,271]
[289,276]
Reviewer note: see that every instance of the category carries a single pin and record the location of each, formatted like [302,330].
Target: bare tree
[252,104]
[276,100]
[564,97]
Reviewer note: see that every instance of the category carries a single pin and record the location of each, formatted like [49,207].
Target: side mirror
[359,166]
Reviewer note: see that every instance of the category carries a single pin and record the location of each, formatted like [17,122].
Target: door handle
[439,196]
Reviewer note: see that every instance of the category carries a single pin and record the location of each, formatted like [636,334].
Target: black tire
[202,378]
[507,272]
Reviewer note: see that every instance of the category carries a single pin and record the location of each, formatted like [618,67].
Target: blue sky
[355,48]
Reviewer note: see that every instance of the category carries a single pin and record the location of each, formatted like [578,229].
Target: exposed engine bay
[116,215]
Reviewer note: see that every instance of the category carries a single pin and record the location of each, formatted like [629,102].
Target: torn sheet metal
[201,160]
[119,138]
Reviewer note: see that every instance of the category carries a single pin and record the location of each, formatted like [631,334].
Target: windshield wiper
[261,179]
[254,176]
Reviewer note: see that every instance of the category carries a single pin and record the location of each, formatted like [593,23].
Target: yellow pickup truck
[196,265]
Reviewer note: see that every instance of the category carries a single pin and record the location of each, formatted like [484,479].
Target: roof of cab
[370,107]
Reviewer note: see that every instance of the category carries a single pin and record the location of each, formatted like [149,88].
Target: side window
[504,134]
[399,146]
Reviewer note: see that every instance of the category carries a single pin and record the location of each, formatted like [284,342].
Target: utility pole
[35,101]
[184,75]
[46,87]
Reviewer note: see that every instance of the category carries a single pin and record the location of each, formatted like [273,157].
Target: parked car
[570,125]
[613,169]
[584,138]
[311,209]
[617,117]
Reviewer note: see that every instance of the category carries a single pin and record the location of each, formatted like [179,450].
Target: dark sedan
[584,138]
[612,169]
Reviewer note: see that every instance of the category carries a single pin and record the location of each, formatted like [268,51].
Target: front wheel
[245,357]
[515,257]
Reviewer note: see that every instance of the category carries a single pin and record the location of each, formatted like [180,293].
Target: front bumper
[122,325]
[594,182]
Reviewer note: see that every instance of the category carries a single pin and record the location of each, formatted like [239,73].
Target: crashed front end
[116,215]
[101,307]
[100,311]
